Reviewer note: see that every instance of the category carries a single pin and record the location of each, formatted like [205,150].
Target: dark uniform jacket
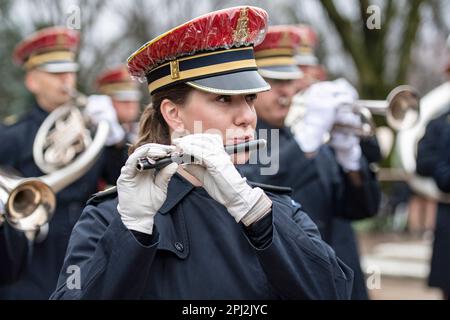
[36,270]
[325,193]
[318,183]
[198,251]
[433,160]
[343,237]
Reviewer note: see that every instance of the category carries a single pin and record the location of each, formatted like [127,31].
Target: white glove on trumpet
[322,100]
[100,107]
[214,168]
[141,194]
[345,142]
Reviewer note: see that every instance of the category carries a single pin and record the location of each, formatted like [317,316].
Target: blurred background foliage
[408,48]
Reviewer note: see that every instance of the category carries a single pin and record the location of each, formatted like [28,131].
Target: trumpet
[146,163]
[401,109]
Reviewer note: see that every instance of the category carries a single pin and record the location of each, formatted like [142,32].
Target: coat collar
[178,188]
[38,113]
[172,227]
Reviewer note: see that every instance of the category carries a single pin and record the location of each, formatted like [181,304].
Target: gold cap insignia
[241,32]
[174,69]
[285,40]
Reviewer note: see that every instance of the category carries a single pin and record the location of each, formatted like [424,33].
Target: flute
[146,163]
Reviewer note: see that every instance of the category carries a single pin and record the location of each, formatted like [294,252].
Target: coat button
[179,246]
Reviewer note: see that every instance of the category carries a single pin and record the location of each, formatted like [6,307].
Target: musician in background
[124,92]
[331,180]
[125,96]
[433,160]
[343,237]
[344,240]
[306,59]
[48,57]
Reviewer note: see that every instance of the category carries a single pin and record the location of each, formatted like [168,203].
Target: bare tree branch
[409,38]
[352,42]
[439,13]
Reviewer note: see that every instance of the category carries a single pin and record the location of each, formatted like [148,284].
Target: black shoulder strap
[102,195]
[271,188]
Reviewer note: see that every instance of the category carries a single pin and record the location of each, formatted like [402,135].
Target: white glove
[345,143]
[100,107]
[322,100]
[141,194]
[213,166]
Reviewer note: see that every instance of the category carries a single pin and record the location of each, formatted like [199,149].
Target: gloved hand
[213,167]
[141,194]
[100,107]
[322,100]
[345,142]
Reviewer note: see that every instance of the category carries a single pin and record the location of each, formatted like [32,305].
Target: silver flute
[146,163]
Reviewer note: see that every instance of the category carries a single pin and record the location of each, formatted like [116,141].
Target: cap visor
[59,67]
[306,60]
[126,95]
[287,72]
[243,82]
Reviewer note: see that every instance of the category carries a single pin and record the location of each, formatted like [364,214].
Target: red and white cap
[213,53]
[306,50]
[117,83]
[51,49]
[275,55]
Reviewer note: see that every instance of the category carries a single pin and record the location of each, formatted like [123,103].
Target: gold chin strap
[275,61]
[274,52]
[118,86]
[42,58]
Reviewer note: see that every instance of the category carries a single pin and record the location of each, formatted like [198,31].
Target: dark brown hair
[152,126]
